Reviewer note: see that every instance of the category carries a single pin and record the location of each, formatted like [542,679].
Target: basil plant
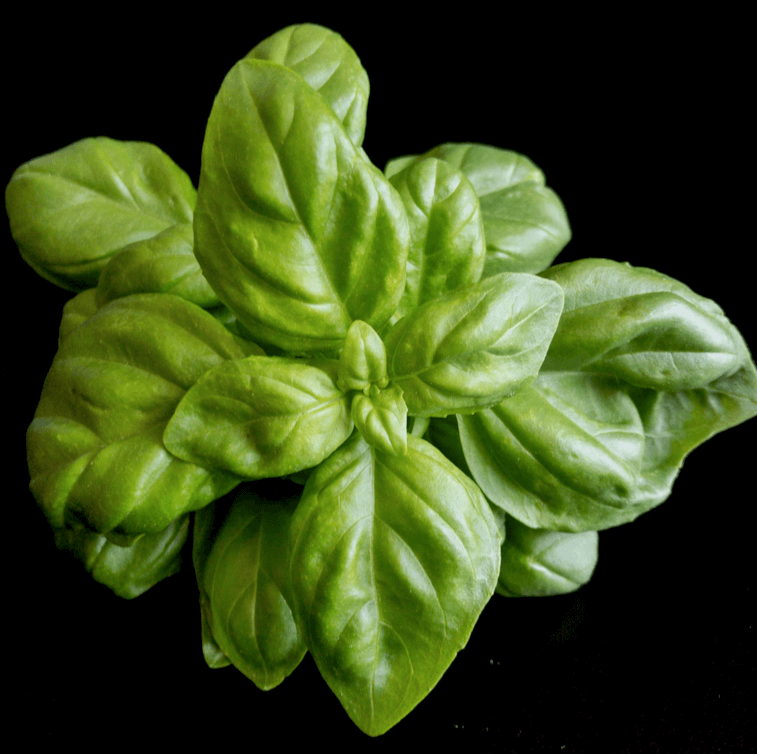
[461,416]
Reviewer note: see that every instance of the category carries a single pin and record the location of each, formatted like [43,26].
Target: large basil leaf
[71,210]
[524,221]
[243,576]
[132,570]
[164,263]
[393,559]
[640,372]
[472,347]
[447,246]
[264,416]
[641,326]
[328,64]
[295,230]
[541,563]
[76,311]
[95,448]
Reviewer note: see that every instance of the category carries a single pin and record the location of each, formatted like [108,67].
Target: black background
[636,129]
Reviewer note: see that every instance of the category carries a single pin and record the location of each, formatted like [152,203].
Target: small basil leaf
[363,359]
[76,311]
[264,416]
[541,563]
[328,64]
[300,235]
[447,245]
[381,418]
[95,446]
[71,210]
[641,326]
[472,347]
[243,577]
[393,560]
[132,570]
[164,263]
[524,221]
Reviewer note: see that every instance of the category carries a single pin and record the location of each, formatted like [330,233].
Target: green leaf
[472,347]
[362,360]
[381,418]
[132,570]
[295,230]
[95,449]
[393,560]
[641,326]
[264,416]
[524,221]
[328,64]
[206,522]
[541,563]
[76,311]
[71,210]
[164,263]
[242,561]
[579,452]
[447,245]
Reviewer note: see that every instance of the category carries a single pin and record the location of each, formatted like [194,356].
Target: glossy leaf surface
[541,563]
[264,416]
[394,558]
[164,263]
[95,448]
[447,246]
[524,221]
[295,230]
[71,210]
[472,347]
[128,571]
[577,450]
[242,562]
[328,64]
[641,326]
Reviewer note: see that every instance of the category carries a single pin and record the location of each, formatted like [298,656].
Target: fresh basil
[473,346]
[525,224]
[132,570]
[370,393]
[583,448]
[393,559]
[95,449]
[241,553]
[259,417]
[305,235]
[71,210]
[164,263]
